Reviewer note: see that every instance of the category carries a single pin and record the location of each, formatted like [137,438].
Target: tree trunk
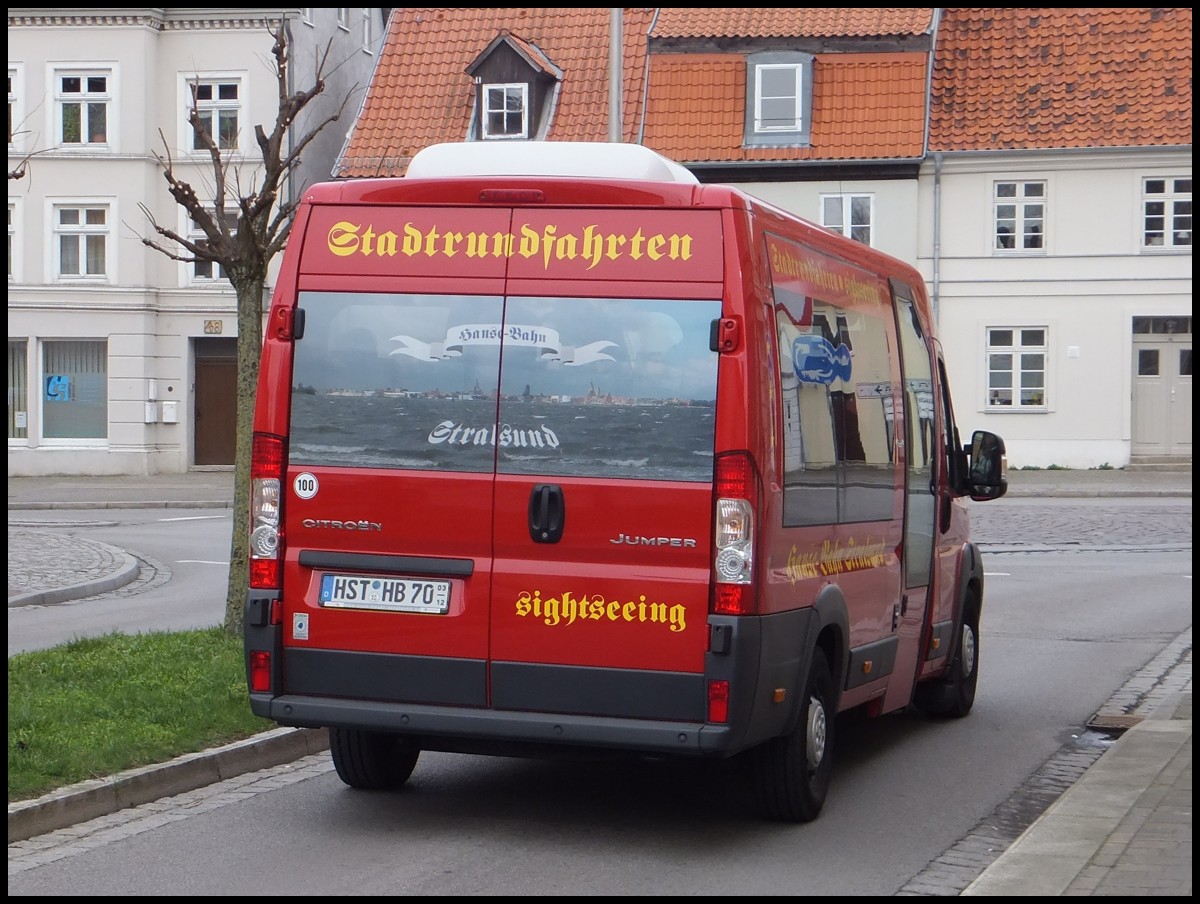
[249,353]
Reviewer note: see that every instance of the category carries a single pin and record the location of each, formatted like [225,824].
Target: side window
[838,406]
[1020,216]
[1167,213]
[922,443]
[778,98]
[505,111]
[81,103]
[951,440]
[850,215]
[75,390]
[1016,362]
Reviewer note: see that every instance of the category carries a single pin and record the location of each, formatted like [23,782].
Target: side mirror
[987,476]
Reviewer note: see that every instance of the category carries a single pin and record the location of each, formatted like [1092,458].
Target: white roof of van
[546,158]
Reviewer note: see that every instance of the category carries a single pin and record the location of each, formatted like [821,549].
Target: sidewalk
[1125,827]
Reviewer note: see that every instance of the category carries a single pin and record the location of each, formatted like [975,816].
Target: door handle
[547,512]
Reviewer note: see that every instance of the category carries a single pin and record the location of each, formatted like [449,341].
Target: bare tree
[264,221]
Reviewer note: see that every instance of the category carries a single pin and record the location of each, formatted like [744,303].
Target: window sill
[1009,409]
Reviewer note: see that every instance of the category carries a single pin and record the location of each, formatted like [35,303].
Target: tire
[790,775]
[953,695]
[371,761]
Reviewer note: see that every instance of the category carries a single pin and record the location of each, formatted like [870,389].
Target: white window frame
[216,105]
[56,231]
[195,234]
[793,130]
[85,99]
[343,17]
[1022,213]
[781,123]
[509,88]
[1022,393]
[86,442]
[306,15]
[19,393]
[368,30]
[16,239]
[18,129]
[849,206]
[1168,219]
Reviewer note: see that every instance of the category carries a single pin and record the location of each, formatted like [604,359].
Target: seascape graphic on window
[548,386]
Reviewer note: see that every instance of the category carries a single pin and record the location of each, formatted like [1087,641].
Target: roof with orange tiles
[1051,77]
[1003,78]
[865,106]
[684,22]
[421,94]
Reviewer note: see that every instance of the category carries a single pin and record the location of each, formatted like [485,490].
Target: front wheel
[372,761]
[953,696]
[790,775]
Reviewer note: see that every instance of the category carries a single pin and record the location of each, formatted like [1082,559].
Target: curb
[134,787]
[126,574]
[142,504]
[1053,852]
[1031,492]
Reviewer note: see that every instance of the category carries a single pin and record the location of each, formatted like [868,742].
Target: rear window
[552,386]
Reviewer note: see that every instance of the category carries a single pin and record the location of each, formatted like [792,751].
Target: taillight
[718,701]
[260,671]
[736,492]
[266,538]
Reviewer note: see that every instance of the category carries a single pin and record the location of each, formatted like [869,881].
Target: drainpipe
[937,233]
[615,61]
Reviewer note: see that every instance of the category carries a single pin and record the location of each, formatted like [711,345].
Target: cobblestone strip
[86,836]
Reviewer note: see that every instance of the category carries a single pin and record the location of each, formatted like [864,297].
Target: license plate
[353,591]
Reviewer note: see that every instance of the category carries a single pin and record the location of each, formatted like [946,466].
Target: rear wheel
[953,695]
[372,761]
[790,775]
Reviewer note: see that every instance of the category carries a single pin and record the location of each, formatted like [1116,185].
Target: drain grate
[1113,721]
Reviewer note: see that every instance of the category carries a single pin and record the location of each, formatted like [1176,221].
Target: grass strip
[97,706]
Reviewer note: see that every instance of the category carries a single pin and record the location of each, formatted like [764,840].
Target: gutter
[641,125]
[936,281]
[1093,149]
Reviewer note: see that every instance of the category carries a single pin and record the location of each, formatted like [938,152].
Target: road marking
[196,518]
[198,562]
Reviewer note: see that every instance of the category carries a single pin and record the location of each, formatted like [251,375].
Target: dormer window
[505,111]
[516,90]
[778,99]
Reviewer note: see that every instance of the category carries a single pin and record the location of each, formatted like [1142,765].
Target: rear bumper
[453,727]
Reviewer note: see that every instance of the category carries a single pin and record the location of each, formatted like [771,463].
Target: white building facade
[1063,285]
[120,359]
